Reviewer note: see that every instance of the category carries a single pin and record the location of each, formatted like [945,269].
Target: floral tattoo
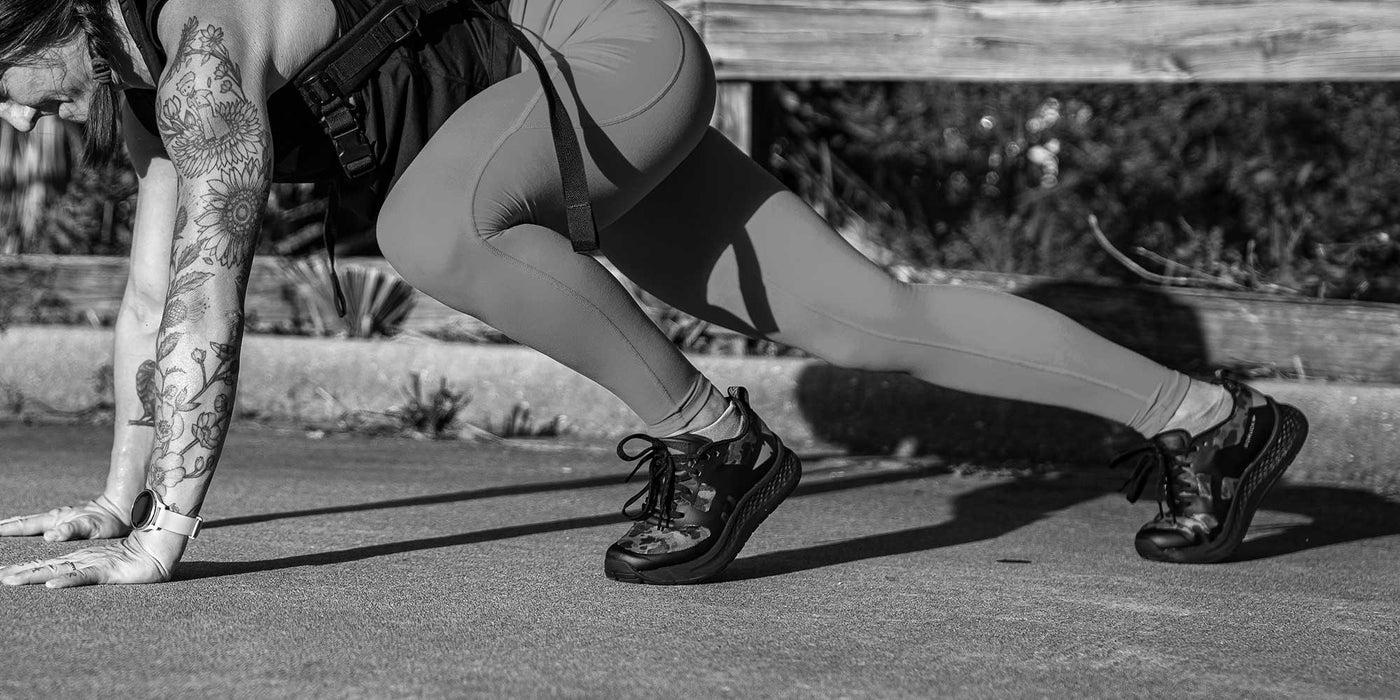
[204,129]
[218,140]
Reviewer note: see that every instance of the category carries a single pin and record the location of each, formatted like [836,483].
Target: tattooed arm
[139,320]
[213,121]
[212,118]
[135,340]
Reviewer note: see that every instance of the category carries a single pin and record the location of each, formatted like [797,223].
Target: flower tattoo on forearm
[218,141]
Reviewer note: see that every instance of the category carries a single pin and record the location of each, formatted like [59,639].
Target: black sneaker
[703,500]
[1211,485]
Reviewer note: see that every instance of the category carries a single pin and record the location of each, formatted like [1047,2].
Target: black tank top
[410,97]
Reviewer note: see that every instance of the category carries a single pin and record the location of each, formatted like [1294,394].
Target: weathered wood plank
[734,113]
[1185,328]
[1036,40]
[1198,329]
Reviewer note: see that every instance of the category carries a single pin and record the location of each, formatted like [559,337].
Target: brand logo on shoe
[1249,431]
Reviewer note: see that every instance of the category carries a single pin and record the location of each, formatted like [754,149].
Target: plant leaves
[189,283]
[168,342]
[187,256]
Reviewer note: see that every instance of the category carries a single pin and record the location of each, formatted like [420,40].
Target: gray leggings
[475,222]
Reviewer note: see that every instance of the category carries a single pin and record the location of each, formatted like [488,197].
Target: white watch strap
[177,523]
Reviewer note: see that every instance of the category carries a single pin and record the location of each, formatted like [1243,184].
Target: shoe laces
[660,491]
[1176,484]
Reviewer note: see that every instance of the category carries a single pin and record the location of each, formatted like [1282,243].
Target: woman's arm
[138,320]
[211,105]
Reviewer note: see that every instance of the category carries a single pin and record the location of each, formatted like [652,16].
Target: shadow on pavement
[879,412]
[206,569]
[210,569]
[454,497]
[978,515]
[1336,515]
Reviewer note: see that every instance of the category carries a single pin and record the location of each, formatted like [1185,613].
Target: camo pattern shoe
[1211,485]
[702,502]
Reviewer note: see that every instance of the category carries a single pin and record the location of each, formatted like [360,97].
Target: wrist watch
[149,514]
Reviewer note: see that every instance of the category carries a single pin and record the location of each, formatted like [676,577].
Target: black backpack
[330,81]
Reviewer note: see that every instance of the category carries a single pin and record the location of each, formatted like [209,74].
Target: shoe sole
[1258,479]
[751,511]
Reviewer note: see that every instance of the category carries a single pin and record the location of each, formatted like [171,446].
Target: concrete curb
[1355,434]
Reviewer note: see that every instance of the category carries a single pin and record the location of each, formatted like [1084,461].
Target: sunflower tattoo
[233,210]
[218,140]
[203,129]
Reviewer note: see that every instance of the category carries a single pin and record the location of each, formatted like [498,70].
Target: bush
[1282,187]
[1286,184]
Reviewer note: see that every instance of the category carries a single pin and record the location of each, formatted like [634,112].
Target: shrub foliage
[1278,187]
[1285,187]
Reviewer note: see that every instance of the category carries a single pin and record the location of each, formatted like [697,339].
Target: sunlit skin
[59,82]
[202,187]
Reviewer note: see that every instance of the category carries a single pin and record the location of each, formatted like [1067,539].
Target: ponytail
[103,132]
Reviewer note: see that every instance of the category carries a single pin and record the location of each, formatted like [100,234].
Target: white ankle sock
[1207,406]
[727,426]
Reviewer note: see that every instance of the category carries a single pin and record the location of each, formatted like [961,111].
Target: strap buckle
[403,23]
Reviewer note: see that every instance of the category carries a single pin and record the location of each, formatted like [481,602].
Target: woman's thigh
[639,86]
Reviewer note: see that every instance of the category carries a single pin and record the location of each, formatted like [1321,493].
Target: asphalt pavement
[349,567]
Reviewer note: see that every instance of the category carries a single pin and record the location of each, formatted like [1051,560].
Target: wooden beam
[1036,40]
[1183,328]
[734,113]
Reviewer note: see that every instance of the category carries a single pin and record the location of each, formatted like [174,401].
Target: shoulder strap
[139,18]
[333,77]
[330,80]
[583,230]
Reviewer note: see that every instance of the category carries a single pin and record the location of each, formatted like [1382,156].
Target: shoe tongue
[1174,441]
[686,445]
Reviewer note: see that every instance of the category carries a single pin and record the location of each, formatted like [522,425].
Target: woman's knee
[423,232]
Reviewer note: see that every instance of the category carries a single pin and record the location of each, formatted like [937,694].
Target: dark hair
[29,27]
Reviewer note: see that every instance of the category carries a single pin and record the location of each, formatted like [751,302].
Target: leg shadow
[205,569]
[979,515]
[433,499]
[1336,514]
[875,412]
[209,569]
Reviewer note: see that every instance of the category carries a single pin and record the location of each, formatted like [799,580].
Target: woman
[474,216]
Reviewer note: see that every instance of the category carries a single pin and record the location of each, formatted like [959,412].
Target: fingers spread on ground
[71,530]
[21,526]
[33,572]
[14,569]
[81,577]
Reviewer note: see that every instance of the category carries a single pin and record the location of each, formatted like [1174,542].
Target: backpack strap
[330,81]
[583,229]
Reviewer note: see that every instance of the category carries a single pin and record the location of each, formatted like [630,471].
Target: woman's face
[58,82]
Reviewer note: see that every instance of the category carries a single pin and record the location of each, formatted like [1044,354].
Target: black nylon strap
[328,237]
[583,229]
[329,82]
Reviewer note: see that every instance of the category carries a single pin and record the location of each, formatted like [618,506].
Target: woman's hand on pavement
[123,561]
[96,519]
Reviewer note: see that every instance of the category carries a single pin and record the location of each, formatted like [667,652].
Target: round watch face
[143,509]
